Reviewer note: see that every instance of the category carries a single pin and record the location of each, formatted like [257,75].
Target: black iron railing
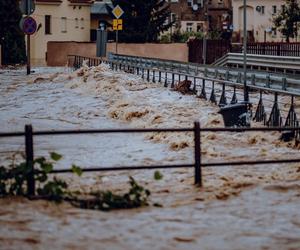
[198,164]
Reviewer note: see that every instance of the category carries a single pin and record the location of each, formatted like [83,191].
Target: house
[200,15]
[259,20]
[189,15]
[59,20]
[219,14]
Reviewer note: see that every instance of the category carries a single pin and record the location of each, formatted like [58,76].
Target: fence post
[198,174]
[148,75]
[29,160]
[284,83]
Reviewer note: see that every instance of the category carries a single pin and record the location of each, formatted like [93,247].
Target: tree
[287,19]
[143,20]
[11,37]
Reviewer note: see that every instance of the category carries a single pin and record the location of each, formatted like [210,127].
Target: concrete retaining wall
[57,52]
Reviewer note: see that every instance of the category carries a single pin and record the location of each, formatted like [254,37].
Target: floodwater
[244,207]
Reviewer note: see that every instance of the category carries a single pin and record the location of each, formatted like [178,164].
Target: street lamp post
[237,115]
[246,95]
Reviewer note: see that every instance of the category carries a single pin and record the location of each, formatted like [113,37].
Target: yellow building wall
[75,30]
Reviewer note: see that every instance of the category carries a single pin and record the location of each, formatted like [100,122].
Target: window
[76,23]
[262,9]
[47,24]
[199,27]
[173,17]
[64,25]
[82,23]
[189,27]
[189,2]
[283,7]
[274,9]
[200,3]
[274,32]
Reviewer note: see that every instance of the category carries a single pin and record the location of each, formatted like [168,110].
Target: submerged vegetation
[13,181]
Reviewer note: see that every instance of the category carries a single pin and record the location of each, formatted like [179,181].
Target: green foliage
[183,37]
[54,190]
[180,37]
[137,196]
[14,177]
[166,38]
[287,19]
[76,170]
[214,35]
[12,180]
[11,37]
[143,20]
[55,156]
[158,175]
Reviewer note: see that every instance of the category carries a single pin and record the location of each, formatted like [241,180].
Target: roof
[49,1]
[85,2]
[81,1]
[100,8]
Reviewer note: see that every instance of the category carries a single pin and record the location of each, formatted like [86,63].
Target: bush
[183,37]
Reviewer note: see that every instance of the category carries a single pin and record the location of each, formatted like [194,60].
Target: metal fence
[289,82]
[217,91]
[276,49]
[279,65]
[214,50]
[198,164]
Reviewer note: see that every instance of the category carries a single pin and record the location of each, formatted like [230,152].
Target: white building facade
[260,14]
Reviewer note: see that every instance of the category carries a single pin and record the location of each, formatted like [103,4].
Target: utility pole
[204,43]
[246,94]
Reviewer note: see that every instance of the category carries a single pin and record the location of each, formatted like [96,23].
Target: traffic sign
[28,25]
[117,11]
[27,7]
[118,24]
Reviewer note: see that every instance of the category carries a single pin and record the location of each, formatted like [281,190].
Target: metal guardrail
[201,85]
[256,78]
[283,64]
[29,135]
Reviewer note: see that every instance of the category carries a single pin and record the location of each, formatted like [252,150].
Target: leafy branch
[14,177]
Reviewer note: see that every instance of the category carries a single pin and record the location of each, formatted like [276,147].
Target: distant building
[201,15]
[188,15]
[59,20]
[259,20]
[219,14]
